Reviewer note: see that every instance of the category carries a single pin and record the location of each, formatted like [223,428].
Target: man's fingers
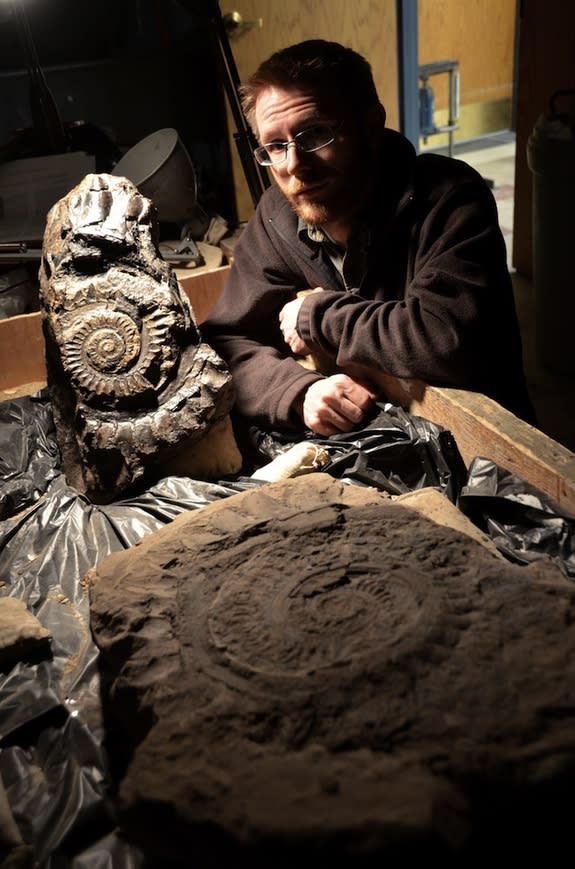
[351,411]
[327,422]
[359,395]
[335,404]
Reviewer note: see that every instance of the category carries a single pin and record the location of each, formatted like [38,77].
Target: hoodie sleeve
[243,328]
[454,321]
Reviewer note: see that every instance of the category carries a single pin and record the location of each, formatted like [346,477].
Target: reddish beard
[318,206]
[312,212]
[326,205]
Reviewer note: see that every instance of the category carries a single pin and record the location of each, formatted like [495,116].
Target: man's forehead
[275,104]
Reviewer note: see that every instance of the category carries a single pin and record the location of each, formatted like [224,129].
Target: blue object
[426,109]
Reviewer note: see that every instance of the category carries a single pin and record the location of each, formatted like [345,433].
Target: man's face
[324,187]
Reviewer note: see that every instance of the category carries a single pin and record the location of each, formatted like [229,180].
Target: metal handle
[236,26]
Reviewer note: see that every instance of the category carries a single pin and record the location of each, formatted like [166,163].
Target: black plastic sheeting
[523,523]
[395,452]
[52,762]
[398,453]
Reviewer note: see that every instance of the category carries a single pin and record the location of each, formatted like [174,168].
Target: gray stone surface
[131,381]
[22,636]
[311,674]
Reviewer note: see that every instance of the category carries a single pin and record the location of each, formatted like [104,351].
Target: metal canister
[551,159]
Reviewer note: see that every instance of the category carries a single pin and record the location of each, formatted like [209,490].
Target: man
[403,253]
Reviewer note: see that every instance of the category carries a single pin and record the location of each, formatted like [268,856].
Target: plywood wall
[478,33]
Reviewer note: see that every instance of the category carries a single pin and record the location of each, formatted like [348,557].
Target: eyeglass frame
[332,127]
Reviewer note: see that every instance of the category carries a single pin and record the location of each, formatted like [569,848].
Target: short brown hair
[325,66]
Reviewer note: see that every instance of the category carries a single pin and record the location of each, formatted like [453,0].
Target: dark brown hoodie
[435,301]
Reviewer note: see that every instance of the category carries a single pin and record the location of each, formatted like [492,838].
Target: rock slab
[310,674]
[132,383]
[22,636]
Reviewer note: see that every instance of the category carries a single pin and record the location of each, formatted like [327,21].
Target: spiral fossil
[124,354]
[110,354]
[317,665]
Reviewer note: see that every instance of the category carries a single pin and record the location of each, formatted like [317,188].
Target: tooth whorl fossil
[132,384]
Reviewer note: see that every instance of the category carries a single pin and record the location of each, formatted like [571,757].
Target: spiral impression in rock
[315,669]
[123,352]
[110,356]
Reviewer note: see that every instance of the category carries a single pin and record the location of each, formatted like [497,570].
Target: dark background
[119,70]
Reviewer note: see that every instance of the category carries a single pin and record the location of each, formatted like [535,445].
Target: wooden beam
[203,289]
[21,351]
[481,427]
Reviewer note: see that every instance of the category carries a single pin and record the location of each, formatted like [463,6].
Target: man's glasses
[307,141]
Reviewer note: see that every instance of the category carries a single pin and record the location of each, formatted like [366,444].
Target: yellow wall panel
[478,33]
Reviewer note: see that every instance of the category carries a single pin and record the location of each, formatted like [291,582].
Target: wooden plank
[21,351]
[482,427]
[203,289]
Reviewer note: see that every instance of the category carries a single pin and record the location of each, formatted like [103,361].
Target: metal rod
[256,176]
[45,116]
[407,51]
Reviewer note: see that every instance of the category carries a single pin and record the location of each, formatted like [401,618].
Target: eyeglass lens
[308,140]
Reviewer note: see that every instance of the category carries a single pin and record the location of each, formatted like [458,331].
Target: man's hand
[336,404]
[288,321]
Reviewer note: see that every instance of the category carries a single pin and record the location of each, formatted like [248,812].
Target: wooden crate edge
[482,427]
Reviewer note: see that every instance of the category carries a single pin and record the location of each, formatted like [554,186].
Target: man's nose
[293,157]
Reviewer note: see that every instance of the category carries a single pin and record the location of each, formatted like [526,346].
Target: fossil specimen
[312,674]
[133,386]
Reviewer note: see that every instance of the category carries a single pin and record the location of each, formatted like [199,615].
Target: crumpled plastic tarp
[398,453]
[29,455]
[523,523]
[394,451]
[52,761]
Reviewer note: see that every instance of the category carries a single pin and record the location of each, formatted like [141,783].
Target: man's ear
[375,124]
[376,117]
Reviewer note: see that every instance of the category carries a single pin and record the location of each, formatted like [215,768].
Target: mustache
[302,185]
